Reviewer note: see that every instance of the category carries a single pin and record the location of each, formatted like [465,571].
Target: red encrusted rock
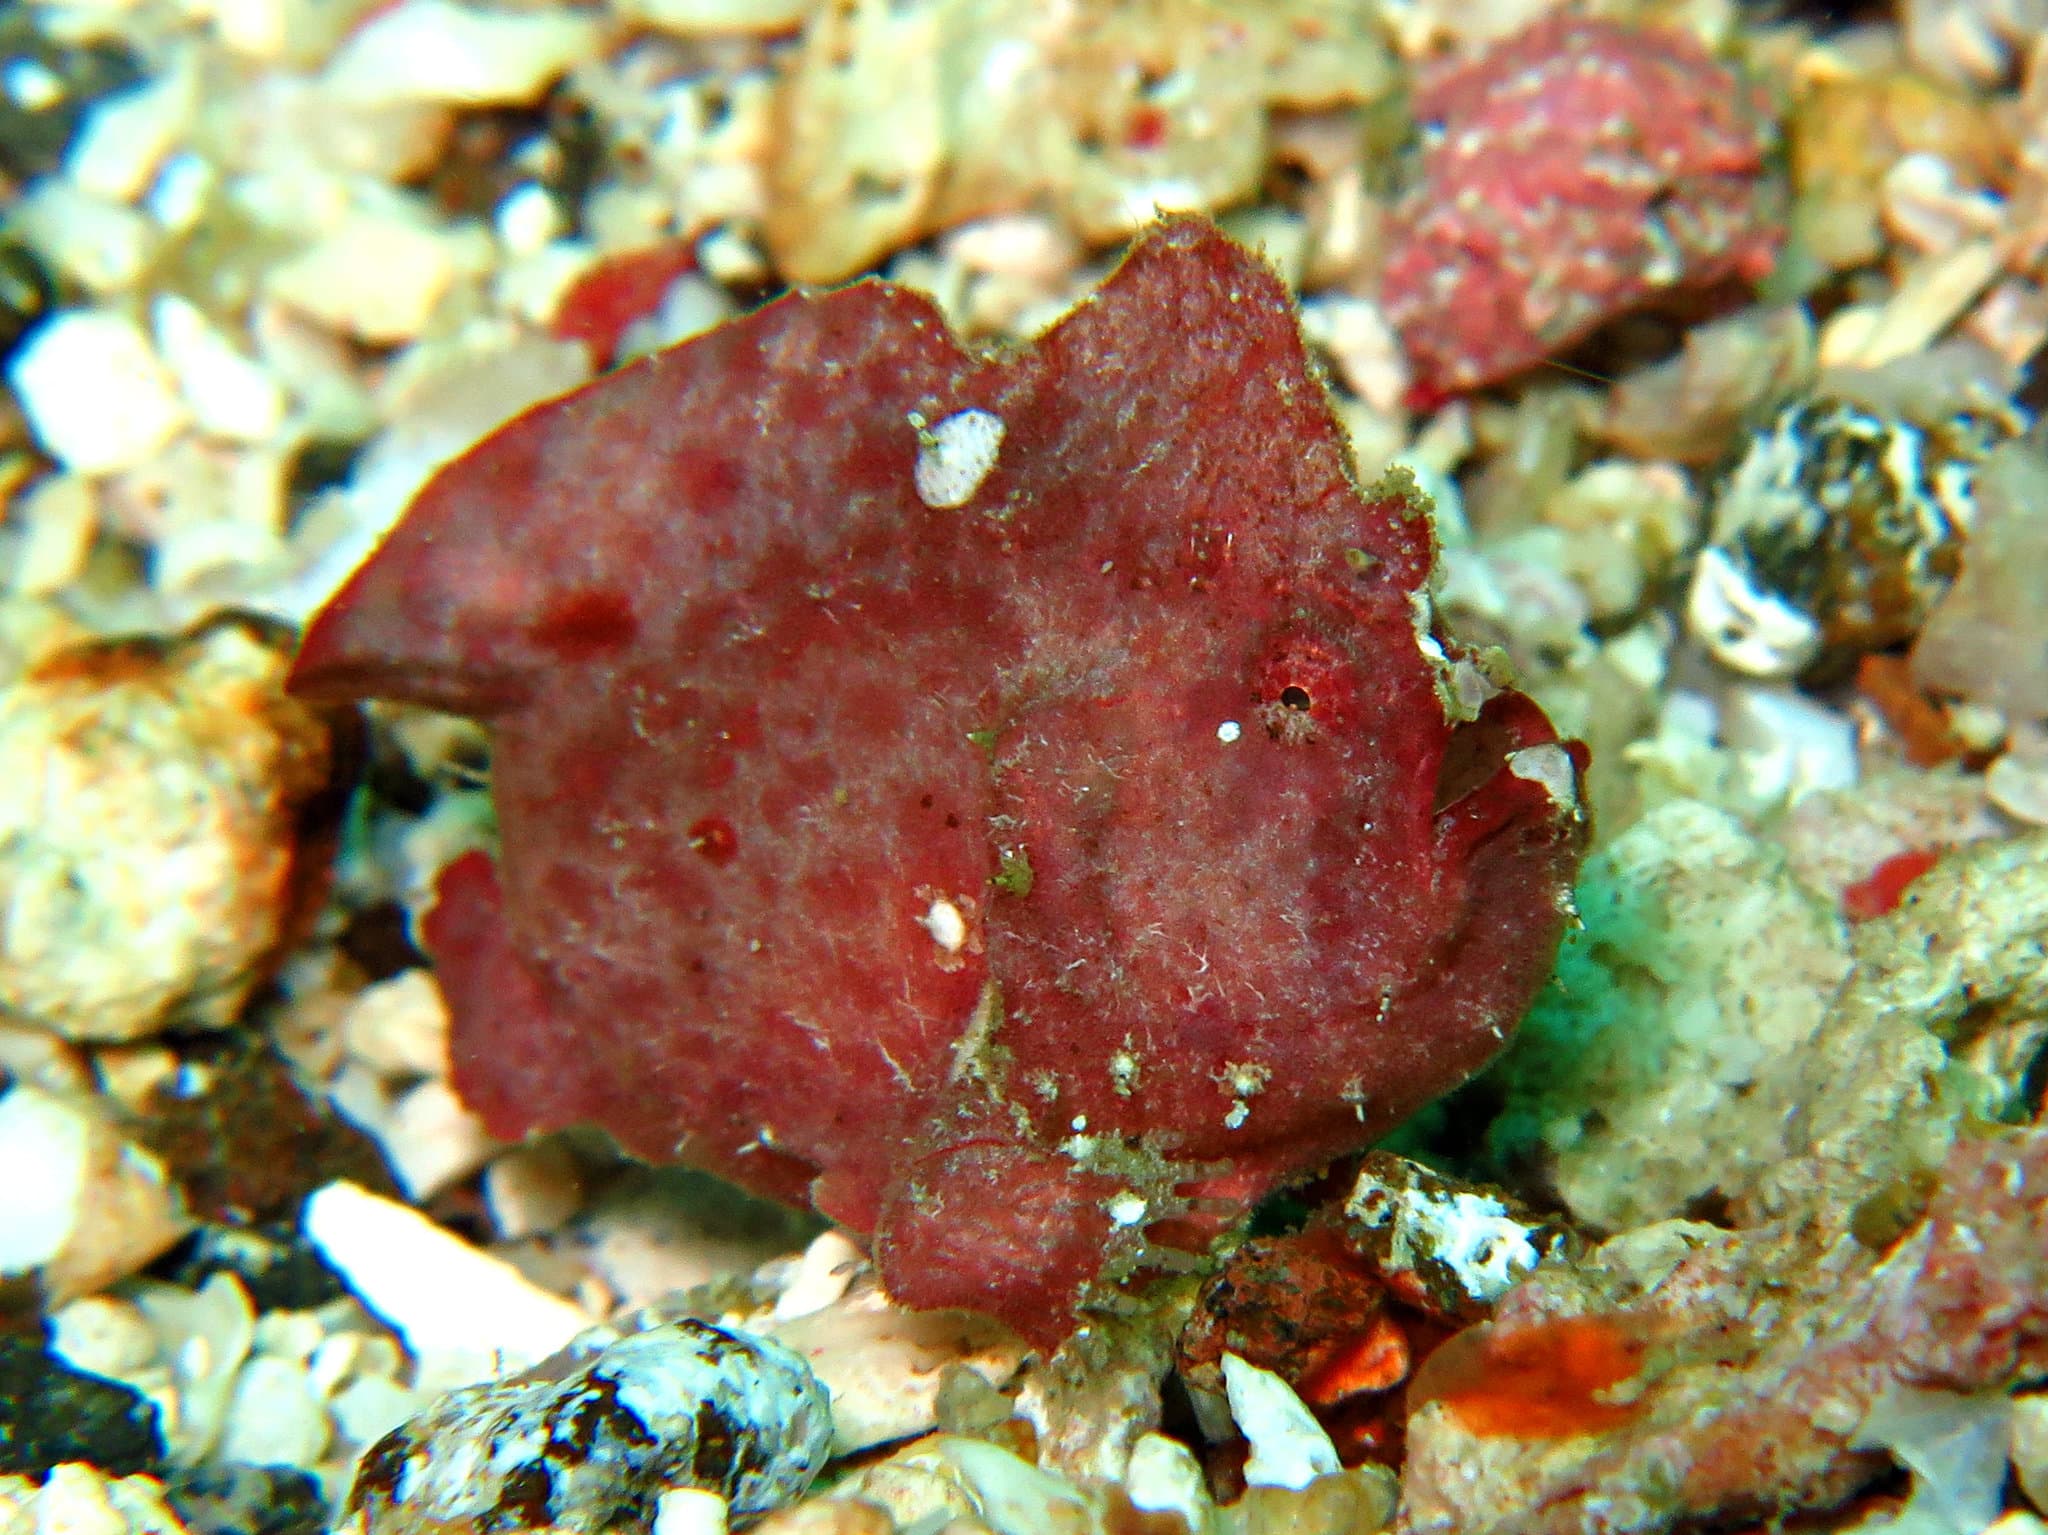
[1021,805]
[1733,1376]
[603,303]
[1571,173]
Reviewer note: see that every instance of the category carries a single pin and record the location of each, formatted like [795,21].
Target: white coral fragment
[458,1308]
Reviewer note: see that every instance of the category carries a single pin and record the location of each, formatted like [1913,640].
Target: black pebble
[275,1264]
[27,293]
[36,130]
[51,1413]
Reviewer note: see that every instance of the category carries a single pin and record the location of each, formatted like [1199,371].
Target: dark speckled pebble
[247,1500]
[51,1413]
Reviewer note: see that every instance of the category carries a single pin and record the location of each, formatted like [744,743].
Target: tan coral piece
[81,1207]
[896,121]
[1933,297]
[1987,638]
[78,1499]
[147,854]
[884,1367]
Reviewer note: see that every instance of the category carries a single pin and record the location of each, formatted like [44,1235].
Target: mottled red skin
[1571,173]
[757,706]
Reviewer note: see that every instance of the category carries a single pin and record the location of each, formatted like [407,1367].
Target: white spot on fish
[954,456]
[1551,766]
[942,919]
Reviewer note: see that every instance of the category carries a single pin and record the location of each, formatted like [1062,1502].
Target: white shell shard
[954,456]
[1165,1477]
[95,392]
[450,1301]
[1289,1448]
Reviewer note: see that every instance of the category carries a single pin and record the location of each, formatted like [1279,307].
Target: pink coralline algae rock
[1570,174]
[1019,804]
[1764,1361]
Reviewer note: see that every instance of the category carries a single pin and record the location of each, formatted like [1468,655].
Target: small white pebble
[289,1335]
[332,1364]
[691,306]
[30,84]
[256,29]
[103,1336]
[54,522]
[727,256]
[95,392]
[102,245]
[2017,783]
[367,1409]
[955,455]
[431,1139]
[527,218]
[1239,1112]
[1288,1446]
[231,395]
[1362,344]
[124,138]
[178,196]
[822,1275]
[275,1417]
[374,276]
[1164,1477]
[689,1511]
[44,1144]
[399,1027]
[74,1501]
[1791,744]
[1229,731]
[532,1189]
